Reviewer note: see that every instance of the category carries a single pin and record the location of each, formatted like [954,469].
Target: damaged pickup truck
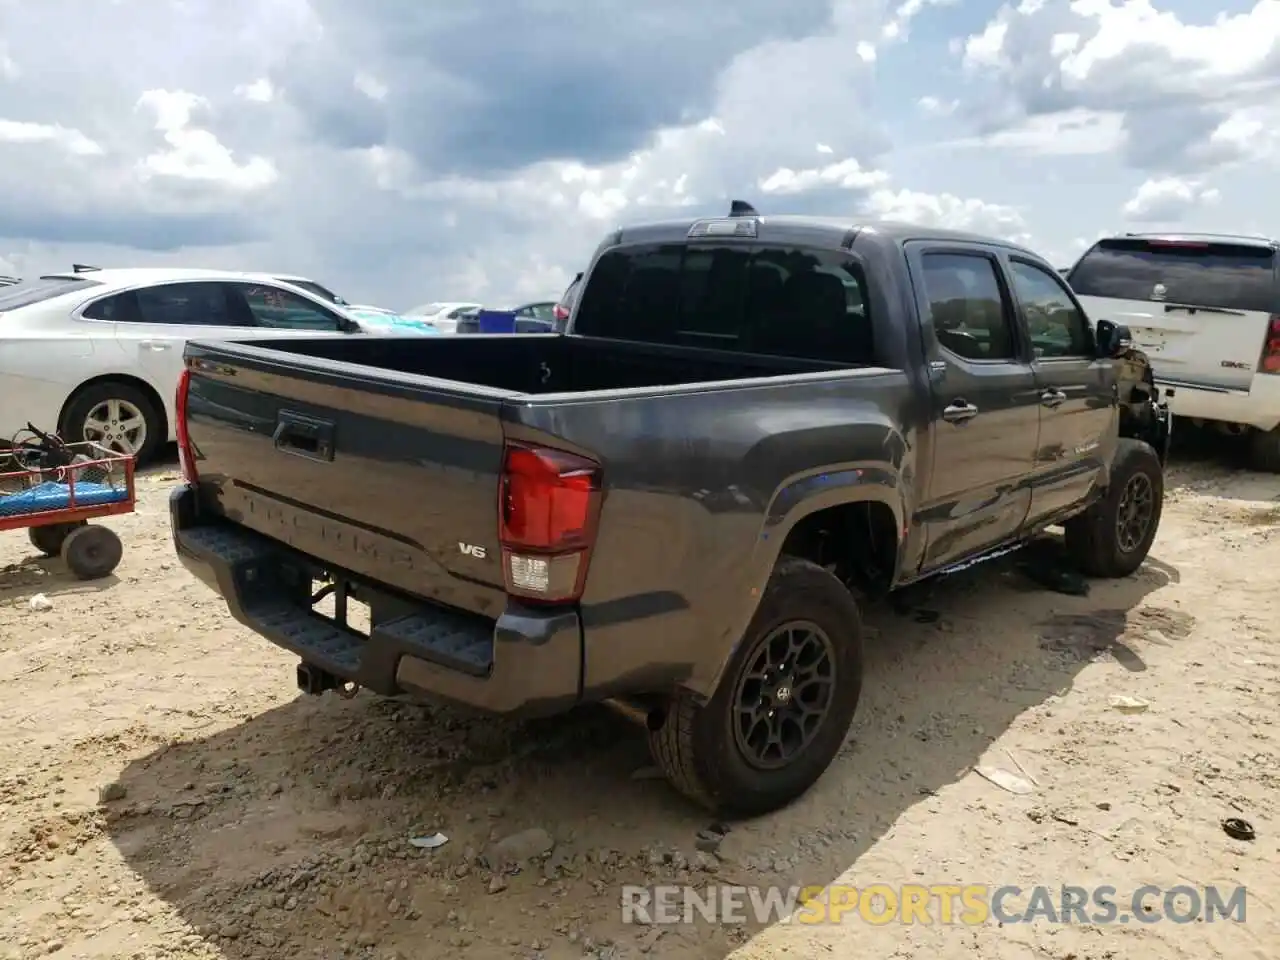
[752,426]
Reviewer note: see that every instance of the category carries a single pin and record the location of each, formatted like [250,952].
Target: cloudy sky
[400,151]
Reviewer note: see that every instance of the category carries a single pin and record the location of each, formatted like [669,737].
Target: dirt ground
[166,792]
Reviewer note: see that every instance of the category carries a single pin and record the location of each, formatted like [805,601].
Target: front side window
[1057,327]
[280,309]
[968,308]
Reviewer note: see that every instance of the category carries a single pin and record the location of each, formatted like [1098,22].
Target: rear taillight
[560,311]
[549,504]
[186,456]
[1270,362]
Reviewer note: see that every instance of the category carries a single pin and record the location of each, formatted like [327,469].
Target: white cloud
[9,68]
[370,86]
[898,25]
[950,212]
[1073,132]
[1171,82]
[260,91]
[1167,200]
[933,107]
[195,153]
[72,141]
[986,49]
[848,174]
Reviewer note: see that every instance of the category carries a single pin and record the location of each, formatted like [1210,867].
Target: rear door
[986,407]
[1199,308]
[1077,390]
[153,324]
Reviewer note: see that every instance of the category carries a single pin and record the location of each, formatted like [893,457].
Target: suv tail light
[548,509]
[1270,362]
[186,454]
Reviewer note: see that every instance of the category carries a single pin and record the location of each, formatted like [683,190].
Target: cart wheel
[50,538]
[92,552]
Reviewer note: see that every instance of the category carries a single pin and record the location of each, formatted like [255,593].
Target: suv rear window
[781,301]
[26,293]
[1228,276]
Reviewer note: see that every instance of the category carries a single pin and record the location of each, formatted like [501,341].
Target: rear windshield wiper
[1170,307]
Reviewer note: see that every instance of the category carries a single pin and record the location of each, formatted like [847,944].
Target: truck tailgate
[355,466]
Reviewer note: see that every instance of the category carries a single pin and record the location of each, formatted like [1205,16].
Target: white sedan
[443,316]
[96,355]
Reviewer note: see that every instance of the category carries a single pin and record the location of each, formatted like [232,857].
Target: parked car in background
[379,320]
[96,354]
[443,316]
[560,312]
[543,310]
[1206,309]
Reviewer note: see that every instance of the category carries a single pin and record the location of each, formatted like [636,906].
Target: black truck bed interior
[547,364]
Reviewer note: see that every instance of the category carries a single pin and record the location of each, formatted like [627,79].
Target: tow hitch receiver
[314,681]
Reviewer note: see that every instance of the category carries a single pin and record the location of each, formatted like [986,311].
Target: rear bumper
[527,662]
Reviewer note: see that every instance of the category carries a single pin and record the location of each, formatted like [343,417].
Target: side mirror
[1113,338]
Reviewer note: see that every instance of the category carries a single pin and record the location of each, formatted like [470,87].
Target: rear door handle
[959,411]
[154,344]
[1052,398]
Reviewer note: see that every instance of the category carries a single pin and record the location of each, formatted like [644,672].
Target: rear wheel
[50,538]
[783,707]
[115,415]
[1264,450]
[92,553]
[1113,537]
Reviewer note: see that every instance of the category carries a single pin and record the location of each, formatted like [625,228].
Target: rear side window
[172,304]
[1222,275]
[27,293]
[780,301]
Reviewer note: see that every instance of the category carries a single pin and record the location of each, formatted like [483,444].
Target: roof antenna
[83,268]
[740,208]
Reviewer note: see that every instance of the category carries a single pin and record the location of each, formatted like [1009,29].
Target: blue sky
[401,152]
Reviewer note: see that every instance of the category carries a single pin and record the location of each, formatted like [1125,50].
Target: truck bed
[551,363]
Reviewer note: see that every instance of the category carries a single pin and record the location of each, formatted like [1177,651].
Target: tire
[1264,450]
[96,399]
[92,552]
[1094,538]
[697,746]
[50,538]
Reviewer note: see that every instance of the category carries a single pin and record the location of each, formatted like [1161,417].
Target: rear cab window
[772,300]
[1221,275]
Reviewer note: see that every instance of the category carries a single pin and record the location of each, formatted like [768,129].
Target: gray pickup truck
[752,426]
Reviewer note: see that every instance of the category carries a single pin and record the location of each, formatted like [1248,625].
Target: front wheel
[784,704]
[1113,537]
